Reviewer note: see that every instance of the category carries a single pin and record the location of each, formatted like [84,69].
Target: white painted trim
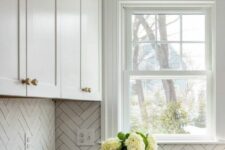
[110,122]
[192,142]
[167,4]
[172,2]
[219,54]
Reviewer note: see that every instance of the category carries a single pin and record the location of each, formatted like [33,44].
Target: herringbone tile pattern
[72,116]
[32,116]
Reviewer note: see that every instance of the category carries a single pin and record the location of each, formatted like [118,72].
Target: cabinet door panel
[12,47]
[91,48]
[79,42]
[42,54]
[68,24]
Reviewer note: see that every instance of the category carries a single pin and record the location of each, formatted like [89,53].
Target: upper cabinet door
[12,47]
[91,49]
[79,40]
[42,53]
[68,41]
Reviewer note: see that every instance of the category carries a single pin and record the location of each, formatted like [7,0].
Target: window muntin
[171,62]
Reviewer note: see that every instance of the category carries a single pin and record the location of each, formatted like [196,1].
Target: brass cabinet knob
[86,89]
[26,81]
[34,82]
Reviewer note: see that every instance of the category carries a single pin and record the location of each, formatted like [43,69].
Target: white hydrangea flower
[152,145]
[111,144]
[135,142]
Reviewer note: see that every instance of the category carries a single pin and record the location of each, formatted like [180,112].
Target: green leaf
[127,135]
[121,136]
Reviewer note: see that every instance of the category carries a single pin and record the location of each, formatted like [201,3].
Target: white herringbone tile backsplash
[72,116]
[31,116]
[37,117]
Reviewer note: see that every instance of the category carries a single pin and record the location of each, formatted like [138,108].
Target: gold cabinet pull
[26,81]
[34,82]
[86,89]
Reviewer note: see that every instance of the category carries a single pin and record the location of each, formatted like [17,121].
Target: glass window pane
[146,57]
[168,106]
[168,56]
[193,56]
[193,27]
[168,28]
[143,28]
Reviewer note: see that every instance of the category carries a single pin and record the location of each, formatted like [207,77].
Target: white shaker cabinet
[79,40]
[12,47]
[51,48]
[28,50]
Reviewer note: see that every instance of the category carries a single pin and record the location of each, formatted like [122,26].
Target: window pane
[168,27]
[143,28]
[193,56]
[146,57]
[168,106]
[193,28]
[169,56]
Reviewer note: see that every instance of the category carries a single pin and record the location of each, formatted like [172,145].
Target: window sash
[128,73]
[130,43]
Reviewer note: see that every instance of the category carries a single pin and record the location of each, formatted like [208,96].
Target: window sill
[208,142]
[218,142]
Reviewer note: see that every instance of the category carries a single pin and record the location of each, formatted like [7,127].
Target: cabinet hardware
[26,81]
[34,82]
[87,89]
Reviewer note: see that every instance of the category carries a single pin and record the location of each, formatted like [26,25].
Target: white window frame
[167,74]
[113,64]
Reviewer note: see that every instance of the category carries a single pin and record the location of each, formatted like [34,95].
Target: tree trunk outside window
[162,53]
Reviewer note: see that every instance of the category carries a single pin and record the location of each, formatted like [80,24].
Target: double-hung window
[167,73]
